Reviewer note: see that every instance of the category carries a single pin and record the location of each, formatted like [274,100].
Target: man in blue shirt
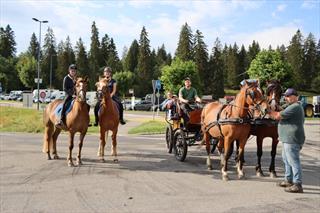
[291,133]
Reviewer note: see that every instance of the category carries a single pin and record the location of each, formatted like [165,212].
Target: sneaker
[89,124]
[295,188]
[122,122]
[285,183]
[60,125]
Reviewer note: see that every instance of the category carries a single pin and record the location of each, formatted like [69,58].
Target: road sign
[36,80]
[131,91]
[158,84]
[42,94]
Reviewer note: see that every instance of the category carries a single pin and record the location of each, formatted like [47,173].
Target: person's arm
[275,115]
[114,90]
[182,100]
[197,99]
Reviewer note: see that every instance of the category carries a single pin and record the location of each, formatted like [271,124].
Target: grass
[20,120]
[149,127]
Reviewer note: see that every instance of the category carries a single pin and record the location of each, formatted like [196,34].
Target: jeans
[291,160]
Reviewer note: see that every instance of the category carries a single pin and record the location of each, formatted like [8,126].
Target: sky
[270,22]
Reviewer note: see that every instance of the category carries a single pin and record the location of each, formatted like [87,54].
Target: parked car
[15,95]
[143,105]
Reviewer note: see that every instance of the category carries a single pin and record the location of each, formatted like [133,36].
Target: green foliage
[185,45]
[131,60]
[150,127]
[8,74]
[201,59]
[268,65]
[82,60]
[113,60]
[95,59]
[124,81]
[173,75]
[34,46]
[7,42]
[27,69]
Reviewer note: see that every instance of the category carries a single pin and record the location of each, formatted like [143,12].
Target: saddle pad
[58,109]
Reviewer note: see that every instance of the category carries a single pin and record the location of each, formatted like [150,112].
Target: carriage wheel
[169,138]
[180,145]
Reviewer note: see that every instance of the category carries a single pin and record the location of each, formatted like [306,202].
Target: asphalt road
[147,178]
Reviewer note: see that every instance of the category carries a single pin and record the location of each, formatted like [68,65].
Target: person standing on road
[291,133]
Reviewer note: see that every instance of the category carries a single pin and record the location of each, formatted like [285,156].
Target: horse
[108,119]
[77,120]
[266,127]
[228,123]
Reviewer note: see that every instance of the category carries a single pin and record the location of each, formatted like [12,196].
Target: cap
[290,91]
[107,69]
[187,79]
[73,66]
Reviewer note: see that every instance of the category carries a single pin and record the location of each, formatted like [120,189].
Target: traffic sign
[42,94]
[158,84]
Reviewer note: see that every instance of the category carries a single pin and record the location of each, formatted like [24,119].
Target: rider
[112,85]
[187,95]
[68,88]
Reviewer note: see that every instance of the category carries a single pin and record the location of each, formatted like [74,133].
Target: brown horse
[77,120]
[266,127]
[108,119]
[228,123]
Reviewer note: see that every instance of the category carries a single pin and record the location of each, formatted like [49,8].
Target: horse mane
[274,85]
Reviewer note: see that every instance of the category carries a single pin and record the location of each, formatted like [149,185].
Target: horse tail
[48,131]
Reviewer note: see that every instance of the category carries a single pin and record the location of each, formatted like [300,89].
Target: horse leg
[206,138]
[272,170]
[102,144]
[79,162]
[69,159]
[242,143]
[227,154]
[259,171]
[114,145]
[47,140]
[237,151]
[54,144]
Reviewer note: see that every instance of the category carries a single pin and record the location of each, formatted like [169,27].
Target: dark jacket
[68,85]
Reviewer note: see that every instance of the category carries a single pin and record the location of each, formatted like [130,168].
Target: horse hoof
[55,157]
[273,175]
[209,167]
[48,158]
[241,177]
[102,160]
[225,177]
[115,160]
[70,164]
[260,174]
[79,163]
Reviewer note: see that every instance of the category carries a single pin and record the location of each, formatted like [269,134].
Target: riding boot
[89,124]
[122,122]
[96,113]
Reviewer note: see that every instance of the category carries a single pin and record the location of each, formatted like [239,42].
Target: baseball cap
[187,79]
[73,66]
[290,91]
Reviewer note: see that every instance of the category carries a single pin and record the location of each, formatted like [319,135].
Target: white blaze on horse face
[81,93]
[273,103]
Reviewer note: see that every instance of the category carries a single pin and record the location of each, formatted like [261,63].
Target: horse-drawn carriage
[180,134]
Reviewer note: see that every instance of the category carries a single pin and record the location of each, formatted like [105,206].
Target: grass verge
[149,127]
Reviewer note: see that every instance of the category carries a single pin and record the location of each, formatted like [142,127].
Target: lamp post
[38,79]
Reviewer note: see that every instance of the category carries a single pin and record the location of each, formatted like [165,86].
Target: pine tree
[216,66]
[232,67]
[225,60]
[185,45]
[113,58]
[131,60]
[82,60]
[253,50]
[315,85]
[105,51]
[7,42]
[49,58]
[144,68]
[201,59]
[95,60]
[34,46]
[243,64]
[282,50]
[309,62]
[295,59]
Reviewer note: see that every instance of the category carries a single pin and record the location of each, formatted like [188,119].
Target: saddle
[58,109]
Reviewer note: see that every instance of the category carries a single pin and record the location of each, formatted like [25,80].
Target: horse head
[274,91]
[81,89]
[102,88]
[254,97]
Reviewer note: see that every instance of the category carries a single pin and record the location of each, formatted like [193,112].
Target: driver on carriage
[187,95]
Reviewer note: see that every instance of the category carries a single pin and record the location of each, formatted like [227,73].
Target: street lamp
[38,79]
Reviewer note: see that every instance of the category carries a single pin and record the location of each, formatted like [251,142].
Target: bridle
[81,93]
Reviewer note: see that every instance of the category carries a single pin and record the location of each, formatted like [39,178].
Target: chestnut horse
[77,120]
[228,123]
[108,119]
[266,127]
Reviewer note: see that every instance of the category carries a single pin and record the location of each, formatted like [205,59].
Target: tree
[113,58]
[243,64]
[216,68]
[124,81]
[49,58]
[185,45]
[95,60]
[295,59]
[34,46]
[105,51]
[253,50]
[8,74]
[144,68]
[131,60]
[268,65]
[315,85]
[231,67]
[309,61]
[27,69]
[201,59]
[7,42]
[173,75]
[82,60]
